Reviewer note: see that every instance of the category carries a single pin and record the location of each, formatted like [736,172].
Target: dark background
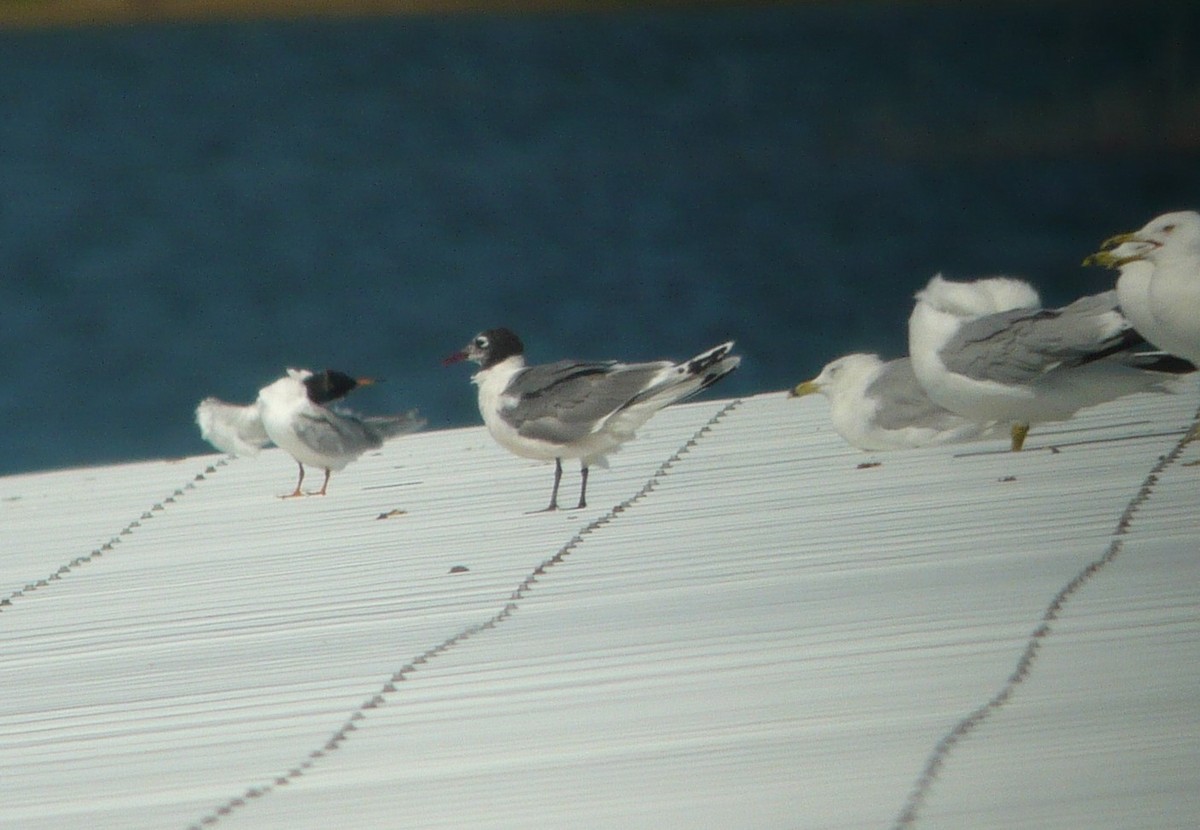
[186,209]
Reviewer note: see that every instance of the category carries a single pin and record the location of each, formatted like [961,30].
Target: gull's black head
[489,348]
[331,385]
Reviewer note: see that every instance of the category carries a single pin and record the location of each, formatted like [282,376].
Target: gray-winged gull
[988,351]
[293,414]
[875,405]
[577,409]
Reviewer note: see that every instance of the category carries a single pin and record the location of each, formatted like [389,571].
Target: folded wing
[563,402]
[1017,346]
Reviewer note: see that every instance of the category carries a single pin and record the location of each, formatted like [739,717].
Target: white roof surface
[746,630]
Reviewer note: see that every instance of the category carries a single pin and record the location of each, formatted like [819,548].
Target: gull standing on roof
[988,351]
[574,409]
[293,414]
[1165,257]
[875,405]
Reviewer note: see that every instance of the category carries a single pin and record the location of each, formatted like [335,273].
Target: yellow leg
[1019,431]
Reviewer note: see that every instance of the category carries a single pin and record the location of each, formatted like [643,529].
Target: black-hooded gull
[577,409]
[294,414]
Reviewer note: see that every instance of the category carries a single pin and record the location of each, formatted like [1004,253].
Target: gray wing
[563,402]
[536,380]
[903,402]
[230,427]
[336,434]
[1020,345]
[389,426]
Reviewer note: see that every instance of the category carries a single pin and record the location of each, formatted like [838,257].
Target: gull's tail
[712,365]
[669,384]
[685,379]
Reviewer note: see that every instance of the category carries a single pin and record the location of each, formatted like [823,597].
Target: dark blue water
[186,210]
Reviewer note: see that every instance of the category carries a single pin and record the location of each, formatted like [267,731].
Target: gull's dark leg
[583,473]
[297,491]
[557,478]
[324,484]
[553,493]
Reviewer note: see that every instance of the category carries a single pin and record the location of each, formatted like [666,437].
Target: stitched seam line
[510,608]
[941,751]
[6,603]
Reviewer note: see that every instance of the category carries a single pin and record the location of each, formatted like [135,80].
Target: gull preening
[875,405]
[988,351]
[1163,259]
[577,409]
[1133,283]
[294,414]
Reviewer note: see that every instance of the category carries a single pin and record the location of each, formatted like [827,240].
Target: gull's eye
[482,342]
[1168,228]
